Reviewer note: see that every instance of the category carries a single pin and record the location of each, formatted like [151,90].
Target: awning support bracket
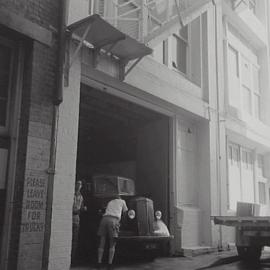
[73,57]
[97,50]
[100,36]
[95,57]
[111,47]
[132,66]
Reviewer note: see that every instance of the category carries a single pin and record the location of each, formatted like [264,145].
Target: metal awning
[96,31]
[130,49]
[102,35]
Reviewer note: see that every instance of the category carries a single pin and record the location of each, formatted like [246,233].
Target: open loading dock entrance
[122,138]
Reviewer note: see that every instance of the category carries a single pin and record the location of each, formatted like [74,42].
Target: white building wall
[78,9]
[213,102]
[187,184]
[243,129]
[64,179]
[198,134]
[193,176]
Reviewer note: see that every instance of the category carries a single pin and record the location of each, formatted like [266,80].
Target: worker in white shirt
[109,225]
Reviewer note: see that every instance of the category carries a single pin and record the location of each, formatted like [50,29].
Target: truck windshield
[126,187]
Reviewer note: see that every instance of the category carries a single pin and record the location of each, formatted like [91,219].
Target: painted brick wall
[20,166]
[43,12]
[39,84]
[38,140]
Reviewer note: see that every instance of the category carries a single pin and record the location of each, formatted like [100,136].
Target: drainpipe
[58,99]
[61,52]
[218,126]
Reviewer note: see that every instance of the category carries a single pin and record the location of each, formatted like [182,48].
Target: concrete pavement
[217,260]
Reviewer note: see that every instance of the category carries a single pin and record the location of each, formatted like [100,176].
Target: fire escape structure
[124,28]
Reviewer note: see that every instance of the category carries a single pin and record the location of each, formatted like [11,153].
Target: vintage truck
[142,232]
[252,231]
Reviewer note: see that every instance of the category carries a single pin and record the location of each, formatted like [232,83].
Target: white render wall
[77,10]
[241,128]
[214,125]
[64,179]
[188,212]
[196,181]
[170,86]
[193,205]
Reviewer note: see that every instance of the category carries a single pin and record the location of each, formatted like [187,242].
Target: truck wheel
[249,253]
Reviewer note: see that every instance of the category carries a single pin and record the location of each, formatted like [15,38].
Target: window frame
[256,92]
[247,107]
[239,161]
[260,169]
[257,105]
[260,178]
[251,85]
[164,50]
[233,158]
[177,36]
[261,182]
[234,50]
[91,7]
[11,45]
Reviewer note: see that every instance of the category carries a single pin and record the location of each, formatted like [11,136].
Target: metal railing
[140,18]
[237,3]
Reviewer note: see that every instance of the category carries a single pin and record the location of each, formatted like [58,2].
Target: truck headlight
[131,214]
[158,214]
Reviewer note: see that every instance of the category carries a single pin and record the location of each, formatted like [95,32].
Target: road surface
[226,260]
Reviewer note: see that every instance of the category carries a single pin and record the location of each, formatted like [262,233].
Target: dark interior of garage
[122,138]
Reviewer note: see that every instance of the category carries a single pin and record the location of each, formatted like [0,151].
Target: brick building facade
[71,109]
[40,142]
[29,45]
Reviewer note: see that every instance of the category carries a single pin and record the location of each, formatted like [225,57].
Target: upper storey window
[233,62]
[260,165]
[246,85]
[250,87]
[174,51]
[243,71]
[182,50]
[233,74]
[256,93]
[179,50]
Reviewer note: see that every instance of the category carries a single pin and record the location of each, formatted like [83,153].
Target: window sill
[179,71]
[173,79]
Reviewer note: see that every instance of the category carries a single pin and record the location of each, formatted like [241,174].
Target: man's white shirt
[115,208]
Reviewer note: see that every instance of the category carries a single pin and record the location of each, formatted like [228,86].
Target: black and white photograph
[134,134]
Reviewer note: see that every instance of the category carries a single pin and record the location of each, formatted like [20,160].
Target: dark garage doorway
[121,138]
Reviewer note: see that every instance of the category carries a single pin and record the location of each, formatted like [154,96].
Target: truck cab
[142,230]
